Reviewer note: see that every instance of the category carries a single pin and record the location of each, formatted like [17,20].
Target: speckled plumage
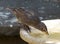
[28,18]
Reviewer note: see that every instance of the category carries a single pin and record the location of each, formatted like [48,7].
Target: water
[46,9]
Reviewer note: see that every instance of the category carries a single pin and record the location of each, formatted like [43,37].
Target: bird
[28,18]
[37,37]
[33,35]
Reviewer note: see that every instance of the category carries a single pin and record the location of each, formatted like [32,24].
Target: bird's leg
[26,27]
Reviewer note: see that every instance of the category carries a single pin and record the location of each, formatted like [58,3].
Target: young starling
[28,18]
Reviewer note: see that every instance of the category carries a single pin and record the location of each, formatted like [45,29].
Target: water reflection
[11,25]
[6,17]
